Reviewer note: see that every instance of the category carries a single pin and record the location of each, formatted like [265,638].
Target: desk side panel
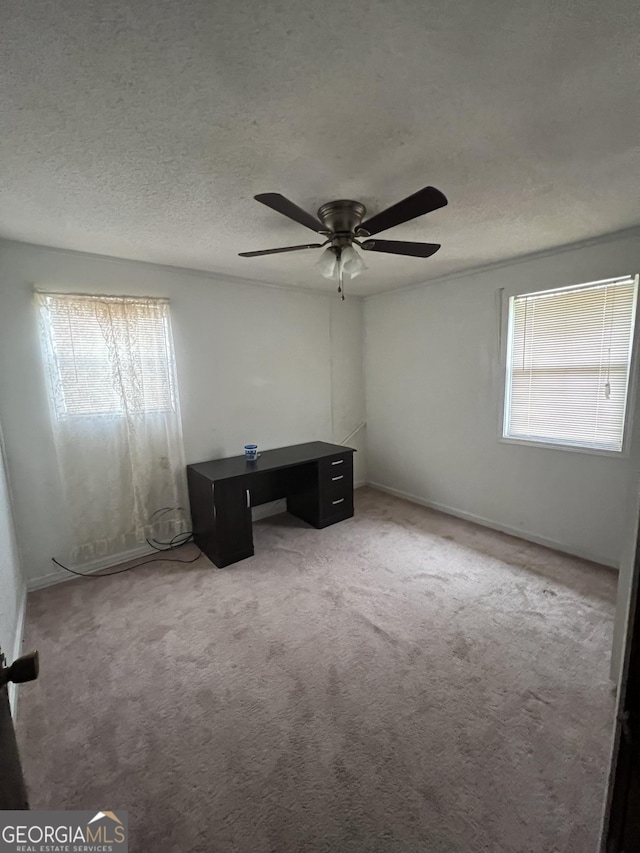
[203,517]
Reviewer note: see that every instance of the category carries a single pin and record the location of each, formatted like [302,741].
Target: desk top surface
[269,460]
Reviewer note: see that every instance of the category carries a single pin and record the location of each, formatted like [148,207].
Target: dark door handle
[23,669]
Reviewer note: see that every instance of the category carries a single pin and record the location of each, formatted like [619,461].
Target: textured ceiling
[142,129]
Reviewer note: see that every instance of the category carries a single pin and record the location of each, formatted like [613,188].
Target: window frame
[58,403]
[506,297]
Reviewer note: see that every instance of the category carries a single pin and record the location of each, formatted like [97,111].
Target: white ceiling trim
[218,278]
[625,234]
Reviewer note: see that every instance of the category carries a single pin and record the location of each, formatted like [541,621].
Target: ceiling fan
[341,222]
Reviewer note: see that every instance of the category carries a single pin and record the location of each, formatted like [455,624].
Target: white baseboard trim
[109,562]
[494,525]
[360,483]
[12,688]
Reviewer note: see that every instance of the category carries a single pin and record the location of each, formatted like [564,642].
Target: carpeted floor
[403,681]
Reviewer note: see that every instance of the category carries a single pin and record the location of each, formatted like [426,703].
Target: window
[108,355]
[111,382]
[568,362]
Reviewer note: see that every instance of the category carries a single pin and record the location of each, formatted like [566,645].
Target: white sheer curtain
[111,375]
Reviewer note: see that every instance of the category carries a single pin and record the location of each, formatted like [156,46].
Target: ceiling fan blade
[424,201]
[400,247]
[277,251]
[282,205]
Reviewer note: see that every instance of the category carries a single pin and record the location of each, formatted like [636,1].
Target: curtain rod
[105,296]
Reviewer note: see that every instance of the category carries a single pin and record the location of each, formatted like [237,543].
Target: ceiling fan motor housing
[341,218]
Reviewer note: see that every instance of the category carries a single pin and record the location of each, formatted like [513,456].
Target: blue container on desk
[251,452]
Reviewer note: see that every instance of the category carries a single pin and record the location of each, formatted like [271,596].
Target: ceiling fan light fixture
[352,263]
[327,264]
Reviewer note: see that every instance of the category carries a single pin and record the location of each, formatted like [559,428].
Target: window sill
[571,448]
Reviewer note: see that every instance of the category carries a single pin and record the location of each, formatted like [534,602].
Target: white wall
[433,387]
[12,585]
[254,363]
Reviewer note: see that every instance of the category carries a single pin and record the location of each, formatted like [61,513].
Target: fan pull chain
[340,276]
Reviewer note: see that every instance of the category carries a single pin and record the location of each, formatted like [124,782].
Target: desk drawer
[336,475]
[338,465]
[337,504]
[336,484]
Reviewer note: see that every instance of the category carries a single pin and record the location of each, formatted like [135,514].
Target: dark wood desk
[315,478]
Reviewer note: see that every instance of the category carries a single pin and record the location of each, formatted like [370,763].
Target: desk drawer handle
[248,497]
[338,462]
[341,477]
[337,502]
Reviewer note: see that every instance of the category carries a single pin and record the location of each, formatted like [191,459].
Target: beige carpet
[402,681]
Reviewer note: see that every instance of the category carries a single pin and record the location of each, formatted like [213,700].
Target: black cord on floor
[162,545]
[128,568]
[157,544]
[169,545]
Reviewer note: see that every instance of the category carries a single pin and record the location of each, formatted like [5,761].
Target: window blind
[568,362]
[108,355]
